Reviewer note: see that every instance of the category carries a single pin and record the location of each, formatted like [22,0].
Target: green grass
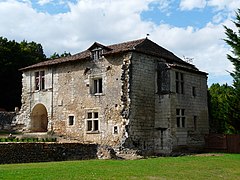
[188,167]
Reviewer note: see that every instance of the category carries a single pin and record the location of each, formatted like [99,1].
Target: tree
[13,56]
[220,112]
[233,40]
[56,55]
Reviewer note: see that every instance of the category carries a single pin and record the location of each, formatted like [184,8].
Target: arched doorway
[39,119]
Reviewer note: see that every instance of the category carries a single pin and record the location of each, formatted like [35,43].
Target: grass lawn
[226,166]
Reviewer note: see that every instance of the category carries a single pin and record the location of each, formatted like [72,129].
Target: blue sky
[189,28]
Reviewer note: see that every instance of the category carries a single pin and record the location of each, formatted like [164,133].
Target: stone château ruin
[134,95]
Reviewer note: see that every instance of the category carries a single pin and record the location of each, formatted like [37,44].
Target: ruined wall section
[73,96]
[162,135]
[142,107]
[196,109]
[32,97]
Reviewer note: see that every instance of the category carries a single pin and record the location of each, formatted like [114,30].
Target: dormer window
[96,53]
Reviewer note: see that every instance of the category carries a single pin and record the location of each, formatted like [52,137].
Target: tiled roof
[186,68]
[142,45]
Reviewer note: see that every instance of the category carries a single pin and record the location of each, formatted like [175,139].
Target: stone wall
[142,106]
[44,152]
[73,96]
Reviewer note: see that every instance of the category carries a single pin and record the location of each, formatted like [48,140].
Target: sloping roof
[142,45]
[186,68]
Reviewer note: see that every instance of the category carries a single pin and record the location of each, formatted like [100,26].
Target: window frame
[71,121]
[92,121]
[39,80]
[97,53]
[179,79]
[96,85]
[180,118]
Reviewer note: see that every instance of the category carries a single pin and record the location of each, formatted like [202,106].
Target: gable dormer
[97,50]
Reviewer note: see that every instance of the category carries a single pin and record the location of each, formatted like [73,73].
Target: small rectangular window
[194,91]
[115,130]
[70,120]
[195,123]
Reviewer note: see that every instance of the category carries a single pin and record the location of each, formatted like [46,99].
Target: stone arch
[39,119]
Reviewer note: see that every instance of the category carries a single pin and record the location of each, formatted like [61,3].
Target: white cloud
[191,4]
[224,4]
[44,2]
[205,46]
[165,6]
[112,21]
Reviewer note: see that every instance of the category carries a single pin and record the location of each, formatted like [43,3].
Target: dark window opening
[70,120]
[97,86]
[194,91]
[115,130]
[195,123]
[89,125]
[95,127]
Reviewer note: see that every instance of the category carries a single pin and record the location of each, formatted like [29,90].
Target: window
[115,130]
[194,91]
[195,123]
[179,83]
[97,53]
[180,117]
[92,122]
[70,120]
[39,80]
[97,87]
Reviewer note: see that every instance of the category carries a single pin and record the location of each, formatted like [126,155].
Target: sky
[191,29]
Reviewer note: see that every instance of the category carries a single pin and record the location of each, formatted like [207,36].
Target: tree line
[13,56]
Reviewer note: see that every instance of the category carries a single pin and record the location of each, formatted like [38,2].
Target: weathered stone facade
[133,95]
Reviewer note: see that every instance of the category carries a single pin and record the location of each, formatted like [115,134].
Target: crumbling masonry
[131,96]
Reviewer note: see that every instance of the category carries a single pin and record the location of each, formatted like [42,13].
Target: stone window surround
[96,89]
[179,78]
[71,120]
[93,120]
[39,80]
[180,118]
